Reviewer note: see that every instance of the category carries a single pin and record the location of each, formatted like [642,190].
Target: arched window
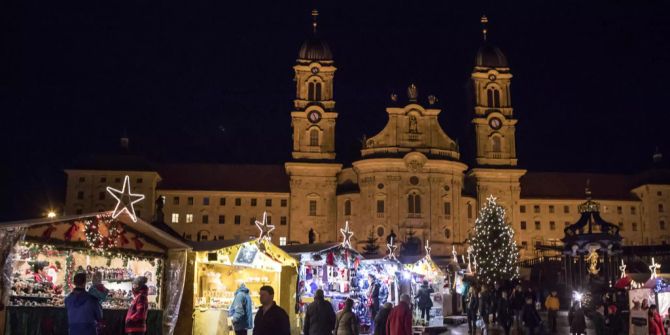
[414,204]
[318,92]
[314,137]
[495,141]
[310,91]
[493,97]
[347,207]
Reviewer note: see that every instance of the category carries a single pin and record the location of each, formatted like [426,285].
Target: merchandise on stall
[44,255]
[220,267]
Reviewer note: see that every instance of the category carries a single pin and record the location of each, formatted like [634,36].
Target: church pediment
[412,128]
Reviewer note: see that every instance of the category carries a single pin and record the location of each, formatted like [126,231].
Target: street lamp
[51,214]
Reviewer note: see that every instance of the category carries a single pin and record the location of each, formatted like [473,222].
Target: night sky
[211,81]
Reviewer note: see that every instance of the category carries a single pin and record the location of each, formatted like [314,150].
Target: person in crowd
[373,295]
[576,319]
[382,318]
[100,292]
[473,309]
[666,322]
[517,300]
[241,311]
[613,322]
[400,318]
[83,310]
[552,304]
[505,313]
[136,317]
[346,321]
[319,316]
[424,301]
[530,317]
[530,293]
[598,320]
[484,305]
[655,321]
[495,300]
[270,318]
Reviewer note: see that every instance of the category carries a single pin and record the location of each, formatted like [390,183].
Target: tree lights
[493,245]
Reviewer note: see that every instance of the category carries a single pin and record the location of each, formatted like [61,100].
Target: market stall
[331,267]
[426,270]
[216,270]
[42,256]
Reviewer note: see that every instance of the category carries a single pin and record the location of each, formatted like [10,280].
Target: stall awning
[160,236]
[231,248]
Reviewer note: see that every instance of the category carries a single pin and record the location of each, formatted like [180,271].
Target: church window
[447,209]
[317,95]
[660,208]
[493,97]
[314,137]
[495,141]
[310,91]
[347,207]
[312,208]
[447,233]
[380,206]
[662,225]
[414,203]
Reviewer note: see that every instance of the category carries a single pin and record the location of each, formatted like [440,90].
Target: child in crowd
[100,292]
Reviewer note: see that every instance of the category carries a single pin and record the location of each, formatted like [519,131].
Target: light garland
[95,239]
[494,250]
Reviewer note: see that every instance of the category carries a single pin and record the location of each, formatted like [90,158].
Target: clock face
[492,77]
[495,123]
[315,70]
[314,116]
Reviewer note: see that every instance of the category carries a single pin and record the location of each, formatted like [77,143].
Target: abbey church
[410,182]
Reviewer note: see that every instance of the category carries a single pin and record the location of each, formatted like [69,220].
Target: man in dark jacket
[473,309]
[270,318]
[424,301]
[381,319]
[373,295]
[319,317]
[505,314]
[531,319]
[83,310]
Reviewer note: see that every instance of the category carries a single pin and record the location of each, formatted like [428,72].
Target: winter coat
[373,295]
[319,318]
[400,320]
[136,317]
[656,325]
[529,316]
[241,310]
[576,320]
[380,321]
[473,306]
[273,322]
[99,291]
[505,312]
[598,321]
[552,303]
[423,297]
[346,323]
[517,300]
[83,312]
[614,324]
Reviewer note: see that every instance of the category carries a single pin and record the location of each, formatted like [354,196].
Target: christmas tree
[495,250]
[371,246]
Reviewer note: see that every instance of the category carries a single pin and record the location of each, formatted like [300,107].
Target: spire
[587,190]
[484,20]
[315,15]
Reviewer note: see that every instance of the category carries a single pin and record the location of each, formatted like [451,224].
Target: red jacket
[136,318]
[400,320]
[656,325]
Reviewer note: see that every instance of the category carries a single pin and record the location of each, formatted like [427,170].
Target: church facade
[410,181]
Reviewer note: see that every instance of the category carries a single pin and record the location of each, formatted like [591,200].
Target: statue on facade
[413,125]
[391,237]
[160,203]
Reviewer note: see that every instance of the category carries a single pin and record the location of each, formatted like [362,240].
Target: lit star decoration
[494,250]
[346,234]
[265,228]
[653,267]
[392,247]
[622,268]
[427,248]
[125,199]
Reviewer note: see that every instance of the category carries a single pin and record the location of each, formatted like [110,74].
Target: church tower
[494,124]
[313,172]
[313,119]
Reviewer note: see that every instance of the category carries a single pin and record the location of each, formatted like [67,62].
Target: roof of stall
[159,235]
[424,266]
[273,251]
[314,248]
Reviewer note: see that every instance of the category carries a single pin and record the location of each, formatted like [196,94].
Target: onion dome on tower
[488,54]
[315,48]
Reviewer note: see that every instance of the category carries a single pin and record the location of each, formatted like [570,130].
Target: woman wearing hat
[136,318]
